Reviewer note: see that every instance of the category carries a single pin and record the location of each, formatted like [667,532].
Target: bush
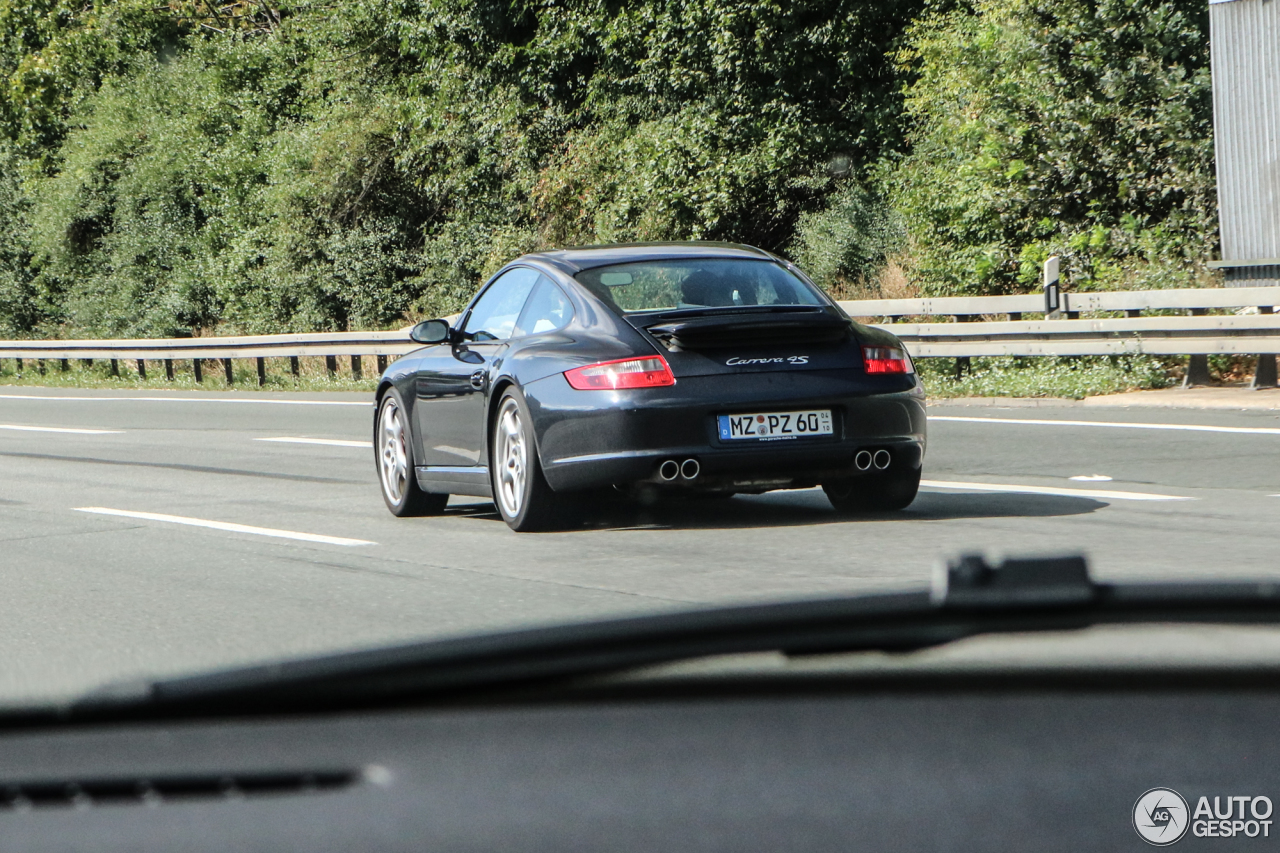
[850,239]
[1081,128]
[20,307]
[181,168]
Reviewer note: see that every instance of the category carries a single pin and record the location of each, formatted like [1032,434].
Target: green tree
[320,166]
[20,308]
[1076,127]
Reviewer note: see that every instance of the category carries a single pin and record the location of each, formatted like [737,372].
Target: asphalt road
[91,596]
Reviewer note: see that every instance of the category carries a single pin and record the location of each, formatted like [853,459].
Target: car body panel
[574,260]
[783,359]
[625,435]
[449,385]
[589,439]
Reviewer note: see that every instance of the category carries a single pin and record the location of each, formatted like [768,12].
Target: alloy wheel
[393,456]
[511,455]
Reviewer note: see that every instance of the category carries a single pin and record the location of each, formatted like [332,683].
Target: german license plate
[775,425]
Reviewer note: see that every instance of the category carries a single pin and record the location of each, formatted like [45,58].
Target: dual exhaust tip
[865,459]
[689,469]
[670,469]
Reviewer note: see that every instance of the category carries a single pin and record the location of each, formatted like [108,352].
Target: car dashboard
[1047,761]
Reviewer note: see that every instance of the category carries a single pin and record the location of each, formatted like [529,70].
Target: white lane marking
[72,430]
[1046,490]
[224,525]
[333,442]
[1090,478]
[272,402]
[1113,424]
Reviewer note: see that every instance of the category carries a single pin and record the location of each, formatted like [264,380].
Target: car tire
[393,456]
[882,491]
[520,491]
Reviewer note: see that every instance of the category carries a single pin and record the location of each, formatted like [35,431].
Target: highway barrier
[1253,328]
[1131,302]
[383,346]
[971,333]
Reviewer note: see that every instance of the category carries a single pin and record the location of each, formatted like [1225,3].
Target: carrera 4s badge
[789,359]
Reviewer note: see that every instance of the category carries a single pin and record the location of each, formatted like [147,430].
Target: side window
[493,318]
[548,309]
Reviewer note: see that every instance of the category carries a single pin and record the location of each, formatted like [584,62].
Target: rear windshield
[697,283]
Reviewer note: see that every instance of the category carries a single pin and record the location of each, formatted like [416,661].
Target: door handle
[478,380]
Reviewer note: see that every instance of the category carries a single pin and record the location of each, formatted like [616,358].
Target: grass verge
[312,375]
[1073,377]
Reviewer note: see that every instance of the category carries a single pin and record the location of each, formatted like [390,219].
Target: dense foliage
[1081,128]
[169,169]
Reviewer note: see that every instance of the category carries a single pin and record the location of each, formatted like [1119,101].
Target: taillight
[887,360]
[645,372]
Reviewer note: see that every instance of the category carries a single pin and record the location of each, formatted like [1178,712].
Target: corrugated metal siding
[1264,276]
[1244,37]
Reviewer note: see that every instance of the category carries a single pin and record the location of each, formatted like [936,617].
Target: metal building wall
[1245,60]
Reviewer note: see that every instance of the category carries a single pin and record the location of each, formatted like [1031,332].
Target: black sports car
[704,367]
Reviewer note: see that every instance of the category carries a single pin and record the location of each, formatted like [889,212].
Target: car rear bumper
[589,439]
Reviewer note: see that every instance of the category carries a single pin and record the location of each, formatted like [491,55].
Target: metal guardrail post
[293,366]
[262,372]
[142,368]
[196,369]
[168,369]
[355,367]
[226,368]
[66,365]
[964,364]
[115,367]
[1264,375]
[1197,365]
[382,364]
[331,365]
[40,366]
[18,367]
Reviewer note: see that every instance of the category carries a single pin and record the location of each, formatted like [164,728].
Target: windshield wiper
[971,597]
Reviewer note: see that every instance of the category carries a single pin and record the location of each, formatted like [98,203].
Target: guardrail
[1122,336]
[1196,336]
[1132,302]
[330,345]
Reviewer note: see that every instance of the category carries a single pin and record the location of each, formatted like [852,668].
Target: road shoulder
[1221,398]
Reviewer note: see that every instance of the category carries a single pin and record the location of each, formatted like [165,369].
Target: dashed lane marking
[332,442]
[265,402]
[1110,424]
[1100,494]
[225,525]
[71,430]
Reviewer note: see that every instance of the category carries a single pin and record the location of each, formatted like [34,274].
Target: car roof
[577,258]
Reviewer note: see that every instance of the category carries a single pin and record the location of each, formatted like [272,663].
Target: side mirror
[430,332]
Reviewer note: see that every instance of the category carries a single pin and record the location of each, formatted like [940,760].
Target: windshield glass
[697,283]
[996,308]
